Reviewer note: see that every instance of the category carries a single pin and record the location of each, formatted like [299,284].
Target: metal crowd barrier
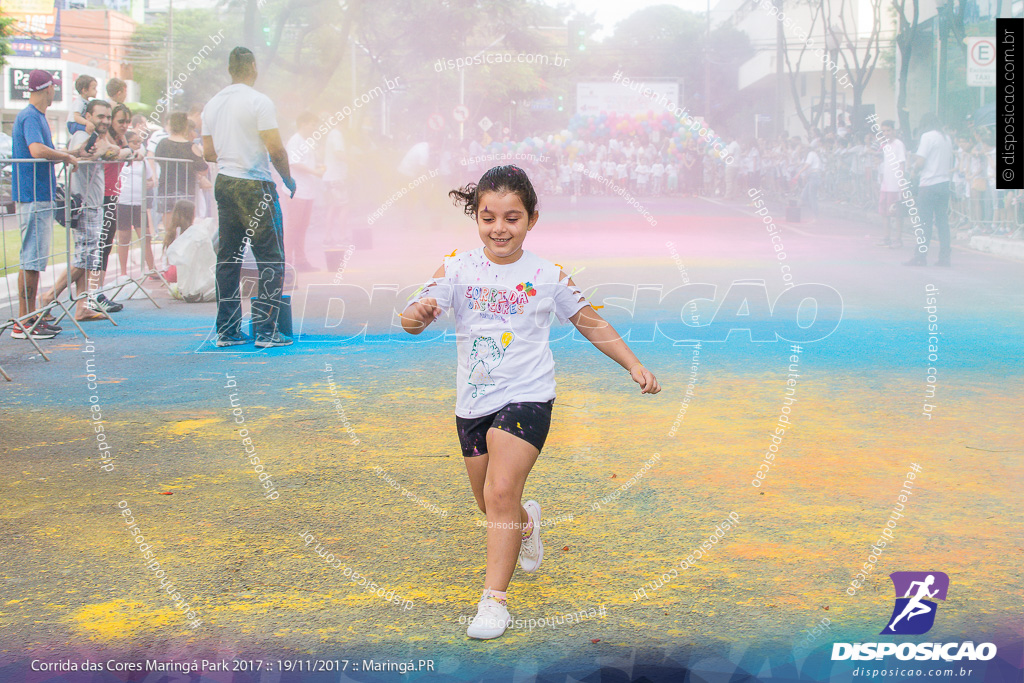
[149,196]
[999,213]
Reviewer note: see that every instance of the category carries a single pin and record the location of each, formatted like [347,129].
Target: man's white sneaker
[490,621]
[531,552]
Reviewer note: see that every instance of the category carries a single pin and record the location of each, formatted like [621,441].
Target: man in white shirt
[156,136]
[894,167]
[733,150]
[811,172]
[934,158]
[335,179]
[591,185]
[239,132]
[302,161]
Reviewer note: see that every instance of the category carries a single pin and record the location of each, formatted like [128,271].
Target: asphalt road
[76,587]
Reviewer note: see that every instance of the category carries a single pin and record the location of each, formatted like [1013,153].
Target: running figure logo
[485,356]
[914,614]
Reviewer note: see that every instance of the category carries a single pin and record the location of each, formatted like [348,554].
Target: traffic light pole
[462,82]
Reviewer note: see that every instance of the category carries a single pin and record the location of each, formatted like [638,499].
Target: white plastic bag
[193,255]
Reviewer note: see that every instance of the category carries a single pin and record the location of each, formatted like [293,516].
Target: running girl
[503,298]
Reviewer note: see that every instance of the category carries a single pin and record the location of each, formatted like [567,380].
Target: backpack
[59,200]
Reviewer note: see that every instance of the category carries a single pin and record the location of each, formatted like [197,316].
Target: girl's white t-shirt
[133,175]
[502,319]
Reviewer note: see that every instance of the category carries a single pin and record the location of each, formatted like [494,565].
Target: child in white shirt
[672,178]
[85,90]
[657,175]
[642,172]
[502,298]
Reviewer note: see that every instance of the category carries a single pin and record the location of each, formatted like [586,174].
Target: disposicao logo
[916,614]
[913,615]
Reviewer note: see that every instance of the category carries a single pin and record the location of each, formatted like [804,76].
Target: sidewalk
[1003,247]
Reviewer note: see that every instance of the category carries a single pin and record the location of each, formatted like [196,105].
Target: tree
[191,38]
[812,122]
[905,43]
[5,34]
[664,41]
[859,54]
[308,46]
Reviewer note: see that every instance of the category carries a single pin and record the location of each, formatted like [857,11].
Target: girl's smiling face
[503,224]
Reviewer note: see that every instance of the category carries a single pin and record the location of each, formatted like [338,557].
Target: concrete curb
[998,246]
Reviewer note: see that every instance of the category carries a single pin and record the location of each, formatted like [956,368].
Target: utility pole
[832,44]
[780,74]
[352,59]
[707,67]
[940,16]
[462,86]
[170,52]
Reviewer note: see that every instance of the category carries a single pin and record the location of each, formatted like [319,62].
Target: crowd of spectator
[122,160]
[153,184]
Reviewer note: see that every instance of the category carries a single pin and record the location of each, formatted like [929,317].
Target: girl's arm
[419,314]
[602,335]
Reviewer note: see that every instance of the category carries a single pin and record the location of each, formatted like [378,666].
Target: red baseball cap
[39,79]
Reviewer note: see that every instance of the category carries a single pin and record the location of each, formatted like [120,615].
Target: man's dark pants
[248,209]
[933,203]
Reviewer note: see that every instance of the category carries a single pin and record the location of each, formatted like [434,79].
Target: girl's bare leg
[148,244]
[510,460]
[124,237]
[476,468]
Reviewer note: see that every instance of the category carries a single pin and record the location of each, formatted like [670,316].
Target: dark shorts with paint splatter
[529,421]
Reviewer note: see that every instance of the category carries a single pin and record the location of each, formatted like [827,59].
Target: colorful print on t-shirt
[500,300]
[485,356]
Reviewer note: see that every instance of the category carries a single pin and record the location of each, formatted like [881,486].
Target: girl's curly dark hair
[500,179]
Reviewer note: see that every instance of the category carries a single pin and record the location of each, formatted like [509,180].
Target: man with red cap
[34,187]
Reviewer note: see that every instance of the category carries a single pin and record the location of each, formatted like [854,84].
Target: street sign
[485,123]
[460,113]
[18,84]
[435,122]
[981,61]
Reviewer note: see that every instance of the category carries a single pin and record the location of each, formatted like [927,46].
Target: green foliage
[304,51]
[5,33]
[664,41]
[194,33]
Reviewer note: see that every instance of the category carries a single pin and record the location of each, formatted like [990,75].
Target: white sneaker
[490,621]
[531,552]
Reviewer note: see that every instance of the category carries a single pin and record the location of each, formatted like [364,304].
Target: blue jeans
[933,205]
[249,212]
